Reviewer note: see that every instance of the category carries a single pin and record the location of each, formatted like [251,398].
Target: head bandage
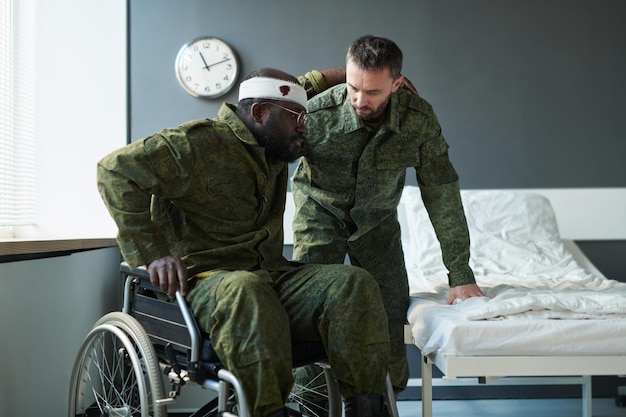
[273,89]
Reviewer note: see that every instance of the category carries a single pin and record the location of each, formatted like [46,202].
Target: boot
[364,405]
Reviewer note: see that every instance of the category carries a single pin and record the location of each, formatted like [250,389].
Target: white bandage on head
[273,89]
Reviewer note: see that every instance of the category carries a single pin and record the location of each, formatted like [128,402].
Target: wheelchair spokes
[113,376]
[309,395]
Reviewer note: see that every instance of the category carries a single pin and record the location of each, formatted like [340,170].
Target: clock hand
[215,63]
[206,66]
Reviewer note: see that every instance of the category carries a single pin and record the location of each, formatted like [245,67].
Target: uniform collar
[393,120]
[227,113]
[352,122]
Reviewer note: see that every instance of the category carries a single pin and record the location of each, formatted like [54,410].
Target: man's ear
[257,111]
[397,83]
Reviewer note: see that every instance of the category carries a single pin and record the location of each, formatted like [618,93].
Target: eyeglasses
[301,117]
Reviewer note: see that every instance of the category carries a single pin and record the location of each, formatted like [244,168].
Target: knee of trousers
[243,317]
[354,304]
[354,280]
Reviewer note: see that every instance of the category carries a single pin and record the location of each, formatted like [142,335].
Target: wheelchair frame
[119,368]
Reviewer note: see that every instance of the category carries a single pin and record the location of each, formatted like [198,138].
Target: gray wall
[530,94]
[47,307]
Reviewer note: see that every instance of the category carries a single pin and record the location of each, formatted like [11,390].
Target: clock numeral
[207,89]
[226,77]
[218,86]
[204,45]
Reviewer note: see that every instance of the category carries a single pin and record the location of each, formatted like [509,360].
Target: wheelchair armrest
[141,273]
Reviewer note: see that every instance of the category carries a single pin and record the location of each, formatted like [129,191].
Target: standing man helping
[201,205]
[362,136]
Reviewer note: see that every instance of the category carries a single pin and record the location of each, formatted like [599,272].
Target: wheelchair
[121,362]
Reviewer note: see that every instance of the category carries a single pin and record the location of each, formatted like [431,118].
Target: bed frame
[603,213]
[515,370]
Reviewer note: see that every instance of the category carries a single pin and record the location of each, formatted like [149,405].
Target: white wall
[80,112]
[47,306]
[581,213]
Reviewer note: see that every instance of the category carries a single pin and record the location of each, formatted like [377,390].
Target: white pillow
[511,232]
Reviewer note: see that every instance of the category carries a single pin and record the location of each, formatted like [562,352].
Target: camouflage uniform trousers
[380,253]
[252,318]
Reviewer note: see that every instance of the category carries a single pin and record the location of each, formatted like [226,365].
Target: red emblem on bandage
[284,89]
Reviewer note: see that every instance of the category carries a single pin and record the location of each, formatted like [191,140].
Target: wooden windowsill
[27,247]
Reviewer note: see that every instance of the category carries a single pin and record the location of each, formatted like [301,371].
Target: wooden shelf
[25,247]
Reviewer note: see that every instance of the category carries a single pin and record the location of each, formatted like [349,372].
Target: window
[17,109]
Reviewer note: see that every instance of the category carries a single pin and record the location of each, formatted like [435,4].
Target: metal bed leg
[587,396]
[427,387]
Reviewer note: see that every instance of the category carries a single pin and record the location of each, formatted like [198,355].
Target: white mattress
[445,329]
[542,296]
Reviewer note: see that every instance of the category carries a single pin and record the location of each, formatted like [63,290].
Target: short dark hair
[374,53]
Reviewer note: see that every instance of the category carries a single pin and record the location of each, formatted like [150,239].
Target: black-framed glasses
[300,116]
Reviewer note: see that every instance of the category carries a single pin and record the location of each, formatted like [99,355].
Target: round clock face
[207,67]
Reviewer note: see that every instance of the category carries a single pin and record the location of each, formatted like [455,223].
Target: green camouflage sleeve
[439,185]
[313,82]
[445,210]
[127,178]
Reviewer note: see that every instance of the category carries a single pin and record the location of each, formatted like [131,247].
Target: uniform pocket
[397,154]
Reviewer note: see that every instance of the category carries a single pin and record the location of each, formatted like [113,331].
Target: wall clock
[207,67]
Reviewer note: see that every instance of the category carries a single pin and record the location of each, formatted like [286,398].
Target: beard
[280,149]
[367,114]
[286,148]
[280,142]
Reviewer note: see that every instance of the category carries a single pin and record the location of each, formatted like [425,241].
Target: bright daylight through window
[17,108]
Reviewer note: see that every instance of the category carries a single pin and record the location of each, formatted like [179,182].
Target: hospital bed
[549,316]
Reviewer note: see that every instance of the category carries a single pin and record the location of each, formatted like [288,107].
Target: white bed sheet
[540,300]
[444,329]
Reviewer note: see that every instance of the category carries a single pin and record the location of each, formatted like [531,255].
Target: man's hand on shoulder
[406,83]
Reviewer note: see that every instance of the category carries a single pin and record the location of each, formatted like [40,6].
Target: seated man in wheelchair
[201,205]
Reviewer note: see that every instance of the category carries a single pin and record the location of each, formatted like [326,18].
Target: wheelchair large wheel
[116,372]
[315,392]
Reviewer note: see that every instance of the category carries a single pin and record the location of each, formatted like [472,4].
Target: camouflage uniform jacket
[203,191]
[357,174]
